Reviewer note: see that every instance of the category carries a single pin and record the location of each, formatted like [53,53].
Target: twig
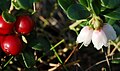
[116,46]
[112,51]
[71,54]
[76,23]
[107,61]
[100,63]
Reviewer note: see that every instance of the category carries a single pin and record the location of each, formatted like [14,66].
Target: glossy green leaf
[96,7]
[110,3]
[24,4]
[4,4]
[111,21]
[115,14]
[83,2]
[64,4]
[8,17]
[40,43]
[77,12]
[28,58]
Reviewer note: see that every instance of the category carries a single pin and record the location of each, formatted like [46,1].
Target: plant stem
[116,46]
[8,61]
[57,44]
[53,48]
[76,23]
[59,59]
[57,56]
[11,8]
[108,61]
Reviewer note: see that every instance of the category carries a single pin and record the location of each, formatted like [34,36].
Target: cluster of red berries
[9,39]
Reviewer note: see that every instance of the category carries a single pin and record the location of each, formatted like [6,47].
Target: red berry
[24,24]
[1,38]
[11,45]
[5,28]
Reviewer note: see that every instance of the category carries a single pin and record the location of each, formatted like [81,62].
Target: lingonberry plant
[98,18]
[46,35]
[15,22]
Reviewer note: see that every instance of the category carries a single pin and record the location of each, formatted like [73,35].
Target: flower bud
[97,22]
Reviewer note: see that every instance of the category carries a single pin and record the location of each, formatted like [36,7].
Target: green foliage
[83,2]
[96,7]
[24,4]
[8,17]
[77,12]
[115,14]
[39,43]
[4,4]
[110,3]
[28,58]
[64,4]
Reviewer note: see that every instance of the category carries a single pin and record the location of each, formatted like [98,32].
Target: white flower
[99,39]
[109,32]
[85,35]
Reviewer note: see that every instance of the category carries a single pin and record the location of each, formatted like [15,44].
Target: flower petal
[109,32]
[85,35]
[99,39]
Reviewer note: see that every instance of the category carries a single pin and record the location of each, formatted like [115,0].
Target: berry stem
[11,8]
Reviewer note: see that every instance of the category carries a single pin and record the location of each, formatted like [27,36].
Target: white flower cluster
[99,37]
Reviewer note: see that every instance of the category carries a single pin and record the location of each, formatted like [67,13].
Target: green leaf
[28,58]
[15,4]
[24,4]
[96,7]
[64,4]
[4,4]
[83,2]
[115,14]
[34,1]
[110,3]
[8,17]
[40,43]
[77,12]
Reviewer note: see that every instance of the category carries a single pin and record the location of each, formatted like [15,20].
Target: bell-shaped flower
[85,35]
[99,39]
[109,32]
